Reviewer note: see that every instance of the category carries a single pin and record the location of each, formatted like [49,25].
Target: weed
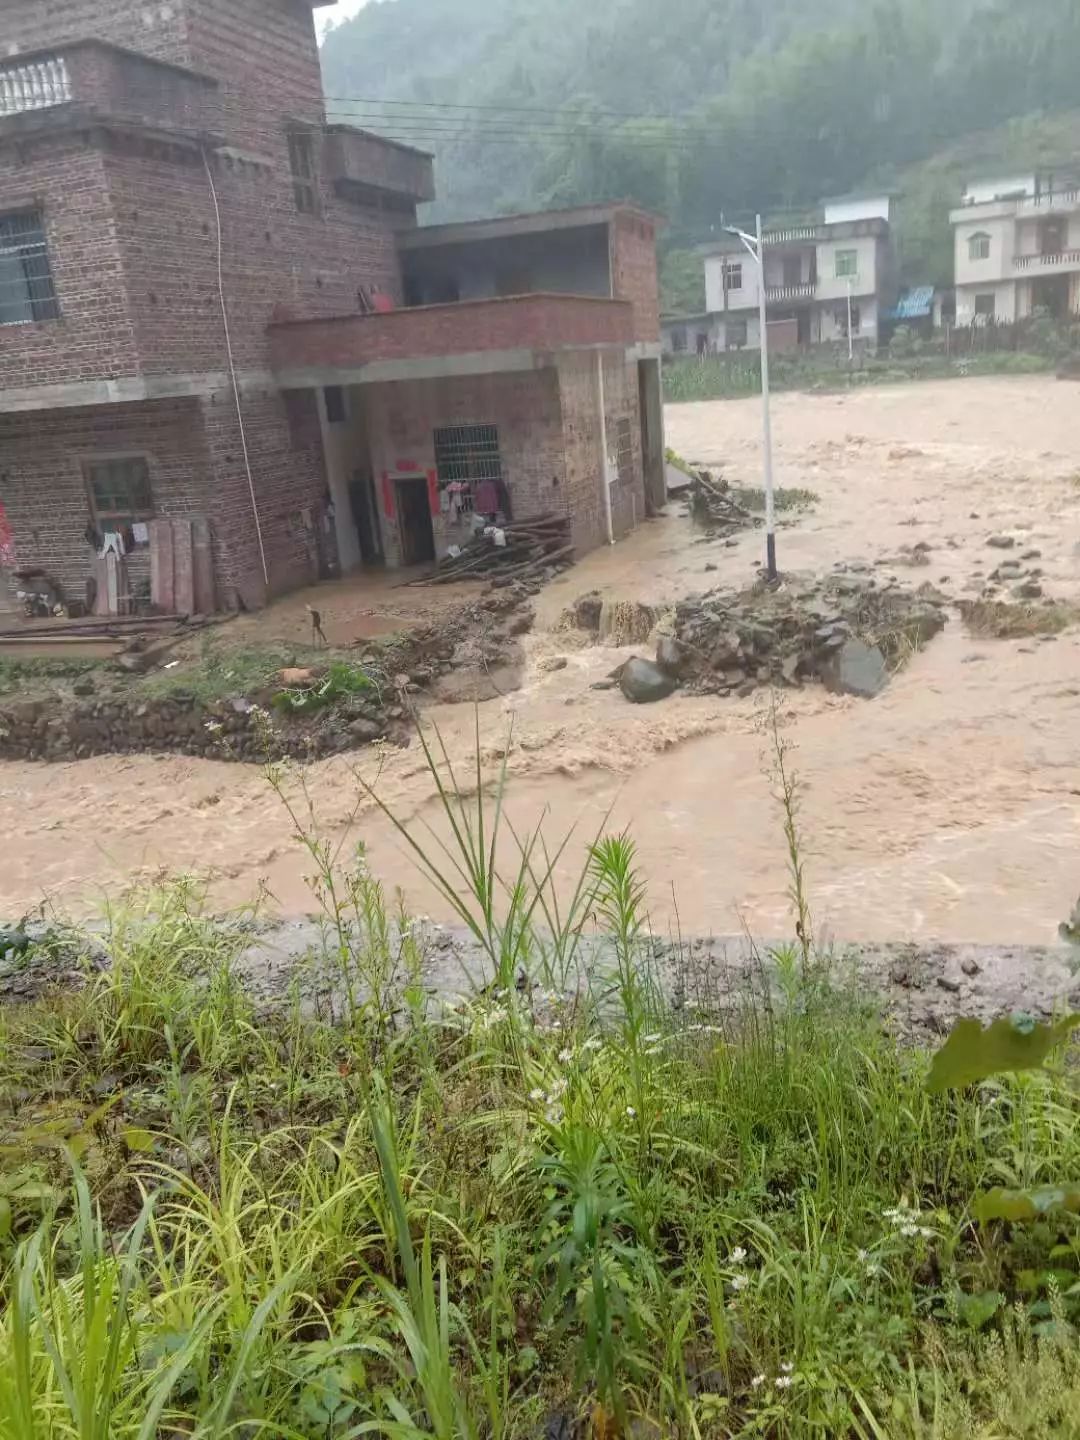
[785,497]
[1000,620]
[578,1194]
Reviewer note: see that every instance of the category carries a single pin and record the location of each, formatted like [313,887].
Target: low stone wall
[51,729]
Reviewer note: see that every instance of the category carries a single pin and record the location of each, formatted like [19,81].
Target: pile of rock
[849,632]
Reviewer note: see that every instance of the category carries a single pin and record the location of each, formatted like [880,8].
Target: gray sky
[334,14]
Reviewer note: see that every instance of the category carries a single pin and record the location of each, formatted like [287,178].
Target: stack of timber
[533,546]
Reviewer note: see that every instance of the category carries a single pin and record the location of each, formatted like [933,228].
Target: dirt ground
[948,809]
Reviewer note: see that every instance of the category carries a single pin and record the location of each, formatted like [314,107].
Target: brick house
[216,307]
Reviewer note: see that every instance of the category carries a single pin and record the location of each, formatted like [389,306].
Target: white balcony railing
[35,85]
[779,294]
[1068,199]
[1065,260]
[792,235]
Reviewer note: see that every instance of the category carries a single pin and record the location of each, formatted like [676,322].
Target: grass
[19,677]
[785,497]
[1000,620]
[575,1201]
[721,377]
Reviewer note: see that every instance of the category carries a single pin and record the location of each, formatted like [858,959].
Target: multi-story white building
[817,276]
[1017,250]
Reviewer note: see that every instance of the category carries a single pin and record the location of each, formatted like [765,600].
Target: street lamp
[754,245]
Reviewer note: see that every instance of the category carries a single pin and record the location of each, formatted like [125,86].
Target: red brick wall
[534,322]
[43,484]
[94,340]
[581,431]
[634,271]
[155,27]
[401,420]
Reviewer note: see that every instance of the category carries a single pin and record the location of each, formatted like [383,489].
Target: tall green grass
[582,1200]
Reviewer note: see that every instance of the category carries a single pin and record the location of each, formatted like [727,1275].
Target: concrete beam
[127,390]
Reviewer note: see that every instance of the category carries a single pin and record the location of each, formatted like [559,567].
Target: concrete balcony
[791,294]
[519,332]
[1062,264]
[1053,202]
[89,82]
[794,235]
[363,166]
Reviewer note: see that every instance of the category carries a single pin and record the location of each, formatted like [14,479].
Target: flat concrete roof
[503,226]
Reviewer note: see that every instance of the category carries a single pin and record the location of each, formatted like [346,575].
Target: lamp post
[850,336]
[754,245]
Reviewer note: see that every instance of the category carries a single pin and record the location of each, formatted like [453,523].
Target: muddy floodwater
[946,809]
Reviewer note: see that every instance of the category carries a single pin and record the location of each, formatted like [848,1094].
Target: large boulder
[856,669]
[642,682]
[673,657]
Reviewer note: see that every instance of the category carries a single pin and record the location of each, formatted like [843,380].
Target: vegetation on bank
[564,1204]
[730,377]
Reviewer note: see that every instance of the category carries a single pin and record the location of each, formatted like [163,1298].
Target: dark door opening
[1051,293]
[414,521]
[802,321]
[792,271]
[650,409]
[366,517]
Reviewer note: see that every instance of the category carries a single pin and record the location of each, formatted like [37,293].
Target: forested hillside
[703,107]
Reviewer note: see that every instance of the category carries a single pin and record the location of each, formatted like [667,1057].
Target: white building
[1017,250]
[816,276]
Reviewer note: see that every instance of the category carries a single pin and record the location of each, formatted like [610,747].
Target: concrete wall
[830,286]
[634,273]
[869,207]
[1003,248]
[1005,301]
[832,321]
[745,298]
[983,192]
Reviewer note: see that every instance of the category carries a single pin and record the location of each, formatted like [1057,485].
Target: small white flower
[926,1232]
[783,1382]
[553,1114]
[740,1282]
[558,1090]
[213,726]
[593,1043]
[787,1367]
[909,1231]
[862,1256]
[737,1256]
[872,1269]
[631,1112]
[565,1056]
[536,1096]
[757,1382]
[650,1039]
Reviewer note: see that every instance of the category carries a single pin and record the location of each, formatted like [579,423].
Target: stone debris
[642,682]
[848,631]
[1001,542]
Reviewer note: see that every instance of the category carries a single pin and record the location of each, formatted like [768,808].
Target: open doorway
[414,521]
[366,517]
[651,411]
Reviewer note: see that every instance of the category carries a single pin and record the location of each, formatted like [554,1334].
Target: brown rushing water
[949,808]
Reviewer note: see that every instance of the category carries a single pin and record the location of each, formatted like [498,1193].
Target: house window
[979,246]
[736,334]
[469,466]
[842,319]
[334,399]
[302,168]
[732,275]
[847,264]
[26,285]
[985,305]
[120,496]
[678,342]
[624,451]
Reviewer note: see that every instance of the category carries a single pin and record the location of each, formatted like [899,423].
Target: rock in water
[672,656]
[856,669]
[643,682]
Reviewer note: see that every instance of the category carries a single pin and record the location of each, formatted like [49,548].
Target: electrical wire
[232,369]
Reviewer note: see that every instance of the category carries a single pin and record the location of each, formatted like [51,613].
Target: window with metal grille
[979,246]
[468,455]
[732,275]
[26,284]
[847,264]
[120,494]
[302,167]
[624,451]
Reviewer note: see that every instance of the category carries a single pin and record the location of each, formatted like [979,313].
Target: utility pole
[754,245]
[850,337]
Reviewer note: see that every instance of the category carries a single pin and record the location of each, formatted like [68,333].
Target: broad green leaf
[975,1311]
[999,1204]
[1016,1043]
[135,1138]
